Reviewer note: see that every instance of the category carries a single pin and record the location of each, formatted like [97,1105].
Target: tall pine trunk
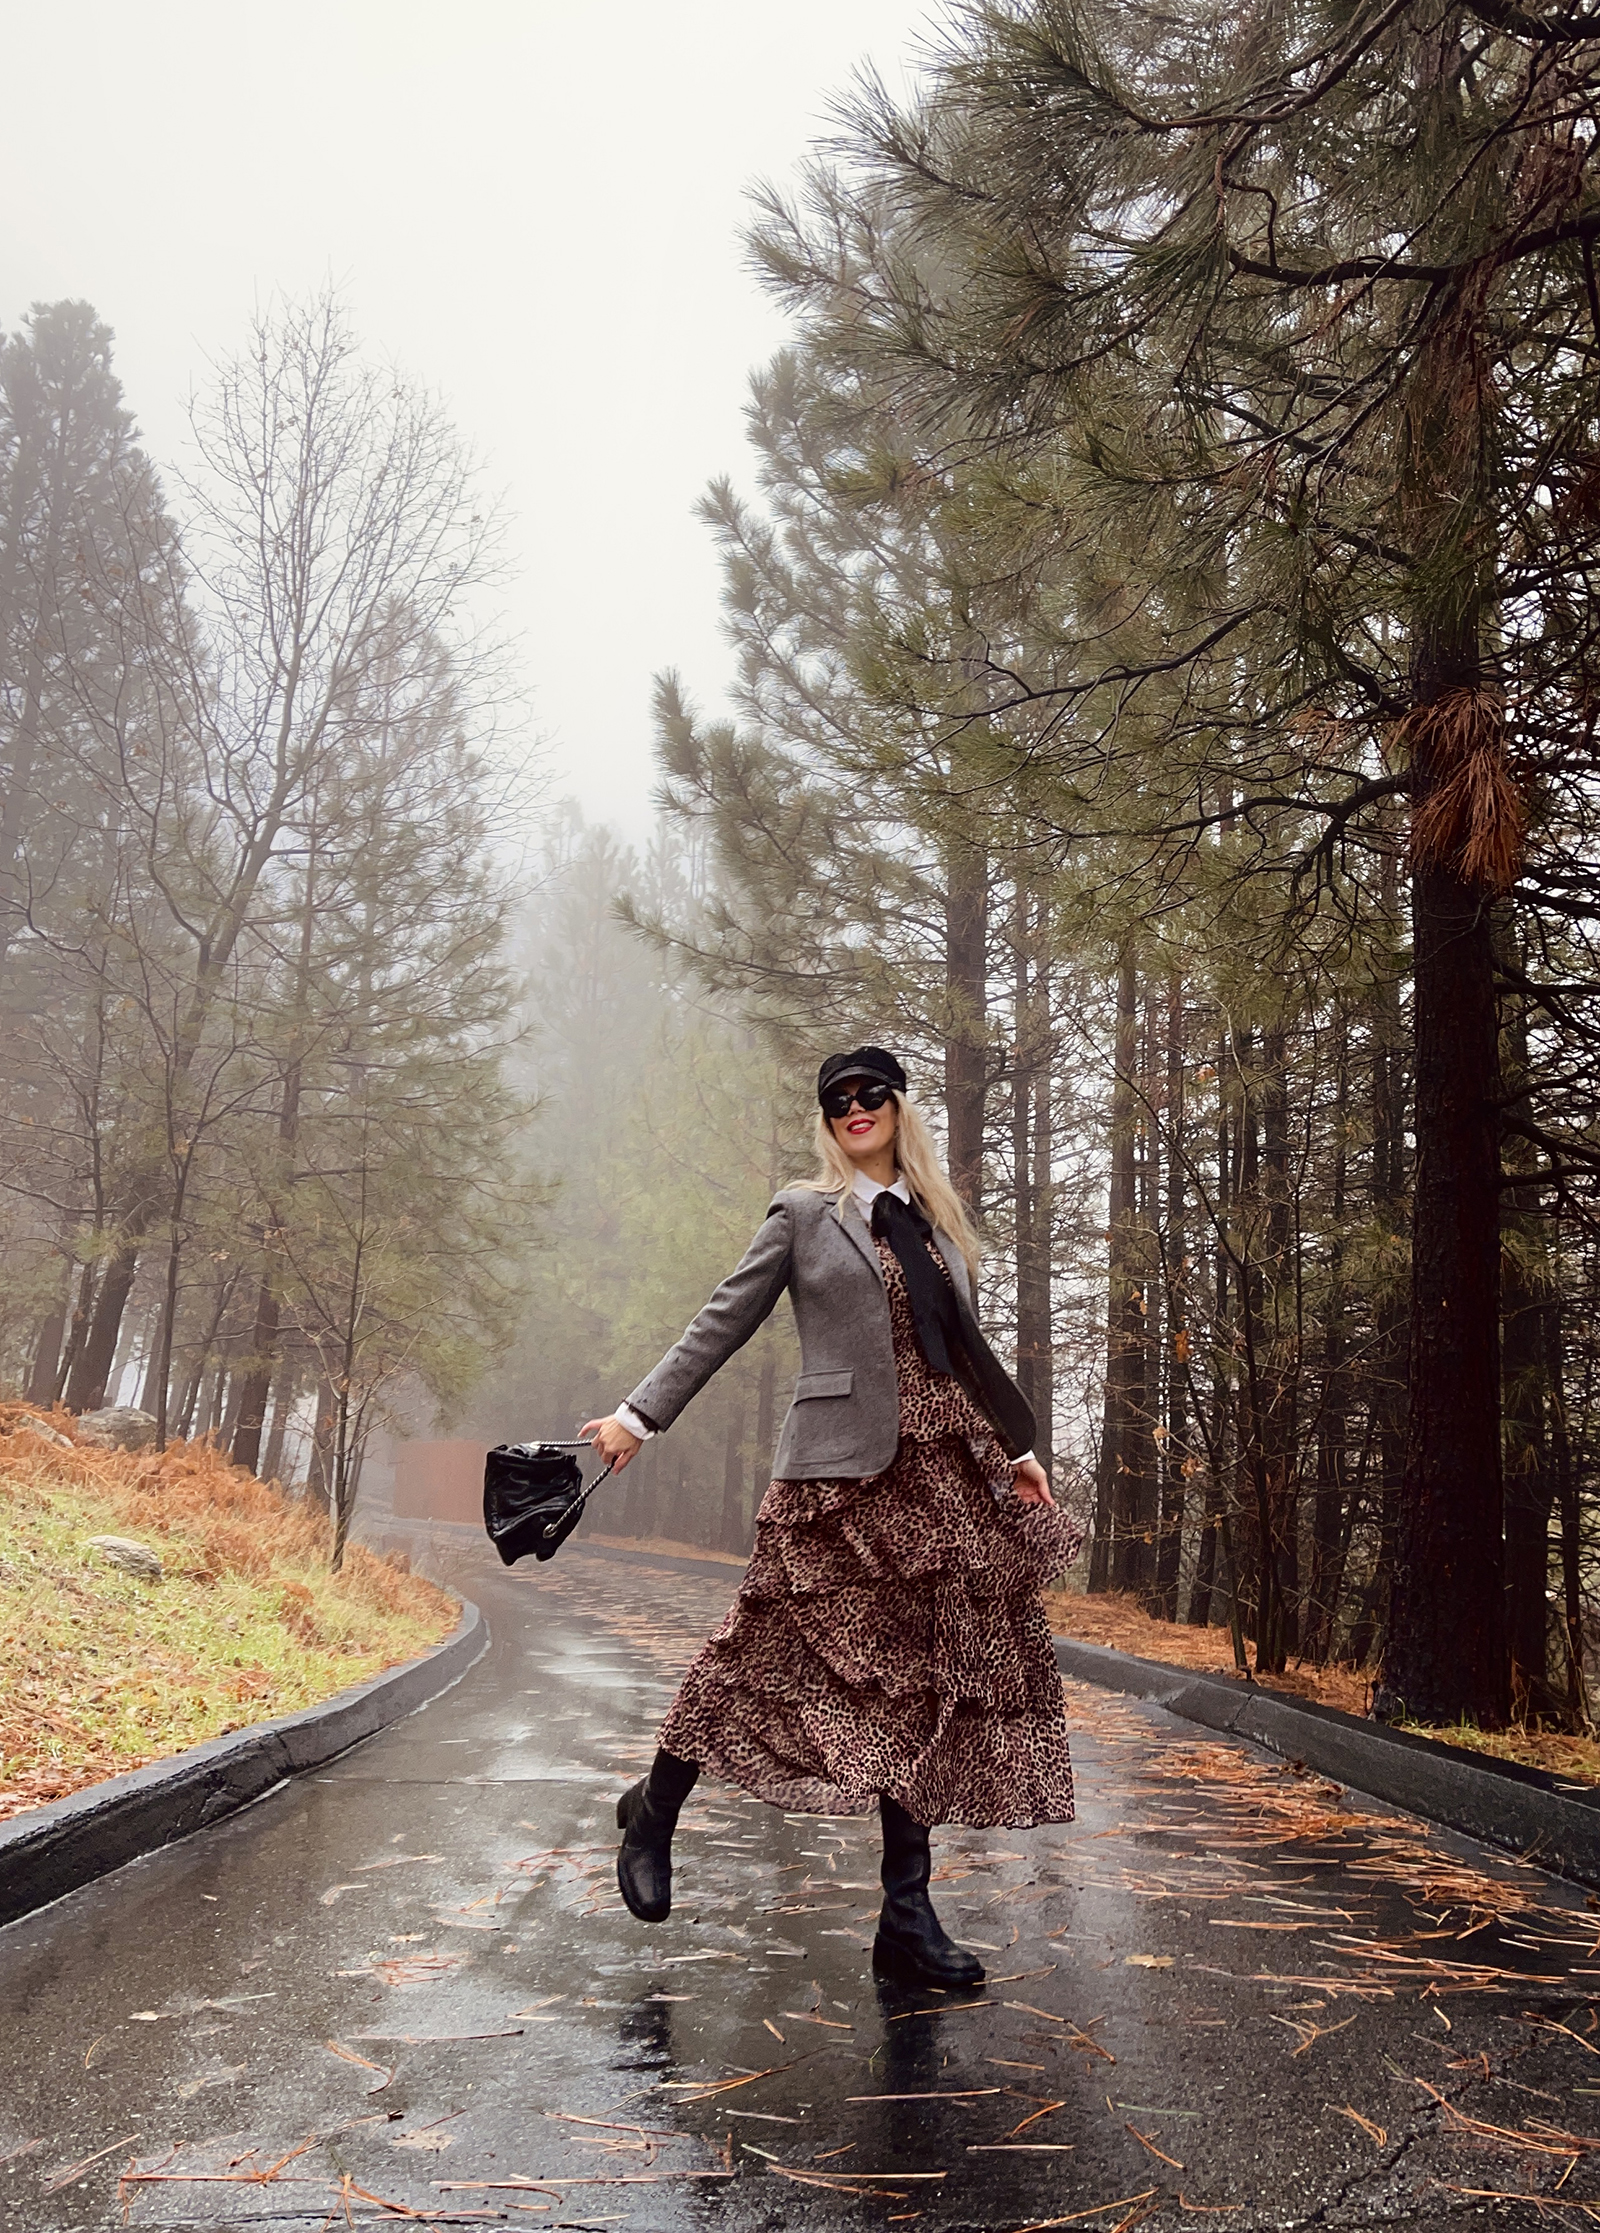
[269,1310]
[1278,1371]
[1446,1659]
[91,1367]
[966,993]
[1175,1459]
[1329,1539]
[1205,1565]
[766,1391]
[1031,1144]
[1530,1486]
[1567,1494]
[47,1343]
[1122,1451]
[734,1534]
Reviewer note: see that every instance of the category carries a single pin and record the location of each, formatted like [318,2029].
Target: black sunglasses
[868,1094]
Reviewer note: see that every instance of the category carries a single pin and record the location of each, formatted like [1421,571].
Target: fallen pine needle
[1362,1988]
[1311,2033]
[1498,2194]
[1022,2147]
[494,2186]
[348,2186]
[1548,2023]
[923,2176]
[74,2170]
[429,2038]
[1159,2153]
[1100,2209]
[975,2093]
[555,2182]
[1538,2138]
[263,2177]
[361,2063]
[838,2186]
[1374,2132]
[1048,2110]
[703,2089]
[612,2124]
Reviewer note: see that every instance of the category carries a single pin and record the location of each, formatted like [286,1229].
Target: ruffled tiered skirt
[888,1638]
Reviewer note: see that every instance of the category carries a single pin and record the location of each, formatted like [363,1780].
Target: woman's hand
[1033,1483]
[613,1441]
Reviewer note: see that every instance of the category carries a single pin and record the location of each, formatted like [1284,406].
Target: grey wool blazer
[844,1421]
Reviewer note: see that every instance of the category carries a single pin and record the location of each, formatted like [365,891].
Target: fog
[534,209]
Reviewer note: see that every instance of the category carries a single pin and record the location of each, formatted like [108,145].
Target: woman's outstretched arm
[743,1303]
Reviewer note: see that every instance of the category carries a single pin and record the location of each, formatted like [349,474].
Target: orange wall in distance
[439,1481]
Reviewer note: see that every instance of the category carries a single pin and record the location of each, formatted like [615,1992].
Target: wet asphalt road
[404,1989]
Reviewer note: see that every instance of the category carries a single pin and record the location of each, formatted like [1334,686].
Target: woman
[887,1642]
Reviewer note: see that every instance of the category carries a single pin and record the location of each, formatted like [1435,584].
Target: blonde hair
[917,1154]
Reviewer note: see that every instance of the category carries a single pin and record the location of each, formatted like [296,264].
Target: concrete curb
[1522,1810]
[57,1848]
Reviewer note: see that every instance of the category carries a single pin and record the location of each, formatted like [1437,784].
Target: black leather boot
[647,1815]
[912,1944]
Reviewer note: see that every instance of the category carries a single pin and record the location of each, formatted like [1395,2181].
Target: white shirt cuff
[1025,1459]
[626,1416]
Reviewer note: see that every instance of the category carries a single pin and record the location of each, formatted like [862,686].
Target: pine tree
[1297,292]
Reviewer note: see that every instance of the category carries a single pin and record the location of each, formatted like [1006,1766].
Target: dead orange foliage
[1118,1621]
[245,1526]
[210,1520]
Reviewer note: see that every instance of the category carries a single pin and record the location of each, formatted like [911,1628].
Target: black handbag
[533,1497]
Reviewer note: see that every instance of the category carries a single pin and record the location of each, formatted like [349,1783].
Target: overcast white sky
[534,207]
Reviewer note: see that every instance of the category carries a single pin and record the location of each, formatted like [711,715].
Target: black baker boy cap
[861,1062]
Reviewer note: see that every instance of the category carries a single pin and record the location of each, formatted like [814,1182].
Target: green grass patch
[101,1671]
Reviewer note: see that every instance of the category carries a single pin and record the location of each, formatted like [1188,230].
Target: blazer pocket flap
[823,1384]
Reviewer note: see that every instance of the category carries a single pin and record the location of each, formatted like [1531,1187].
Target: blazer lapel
[856,1226]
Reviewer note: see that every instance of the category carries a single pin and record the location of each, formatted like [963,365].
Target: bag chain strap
[605,1472]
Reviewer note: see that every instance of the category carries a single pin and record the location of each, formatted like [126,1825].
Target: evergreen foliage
[1168,614]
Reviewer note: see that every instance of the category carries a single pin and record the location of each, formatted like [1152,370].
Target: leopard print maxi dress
[888,1635]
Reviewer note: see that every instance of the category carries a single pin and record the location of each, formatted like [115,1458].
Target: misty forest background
[1166,712]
